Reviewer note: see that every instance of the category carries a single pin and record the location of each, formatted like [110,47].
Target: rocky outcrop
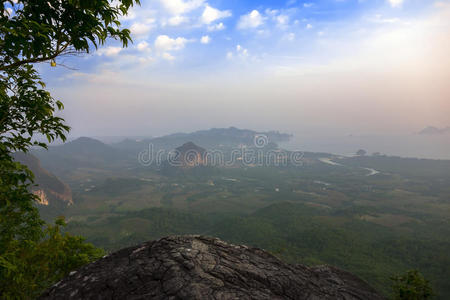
[195,267]
[49,188]
[190,155]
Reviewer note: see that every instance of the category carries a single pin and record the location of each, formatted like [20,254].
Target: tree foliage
[32,254]
[40,30]
[30,266]
[411,286]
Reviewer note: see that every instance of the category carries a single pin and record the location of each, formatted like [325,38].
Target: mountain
[196,267]
[210,139]
[83,152]
[430,130]
[190,155]
[50,189]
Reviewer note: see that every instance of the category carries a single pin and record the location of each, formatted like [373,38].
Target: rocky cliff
[190,155]
[195,267]
[49,188]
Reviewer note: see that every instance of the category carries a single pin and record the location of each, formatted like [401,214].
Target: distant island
[430,130]
[213,138]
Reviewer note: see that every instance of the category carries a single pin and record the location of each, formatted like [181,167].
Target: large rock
[195,267]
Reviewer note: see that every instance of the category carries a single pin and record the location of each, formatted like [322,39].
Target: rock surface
[196,267]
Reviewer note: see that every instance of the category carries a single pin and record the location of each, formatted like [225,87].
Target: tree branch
[35,60]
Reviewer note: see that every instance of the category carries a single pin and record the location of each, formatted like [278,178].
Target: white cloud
[309,26]
[381,20]
[143,46]
[211,14]
[146,60]
[131,15]
[290,36]
[282,20]
[216,27]
[109,51]
[163,43]
[242,52]
[141,29]
[177,20]
[168,56]
[205,39]
[395,3]
[179,7]
[307,5]
[252,20]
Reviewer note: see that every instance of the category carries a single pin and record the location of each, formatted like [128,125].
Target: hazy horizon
[327,68]
[413,145]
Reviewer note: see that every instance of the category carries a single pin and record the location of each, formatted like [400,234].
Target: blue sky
[191,34]
[212,56]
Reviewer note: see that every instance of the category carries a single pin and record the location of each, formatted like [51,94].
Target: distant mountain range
[211,138]
[430,130]
[91,153]
[83,152]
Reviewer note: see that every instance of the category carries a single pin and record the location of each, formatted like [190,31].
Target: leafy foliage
[411,286]
[28,267]
[33,31]
[39,30]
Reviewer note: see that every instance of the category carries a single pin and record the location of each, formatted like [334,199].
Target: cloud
[242,52]
[379,19]
[168,56]
[205,39]
[143,46]
[216,27]
[163,43]
[395,3]
[239,52]
[177,20]
[291,2]
[309,26]
[290,36]
[141,29]
[179,7]
[109,51]
[211,14]
[282,20]
[308,5]
[252,20]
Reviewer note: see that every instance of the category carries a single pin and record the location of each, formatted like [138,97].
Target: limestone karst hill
[49,188]
[196,267]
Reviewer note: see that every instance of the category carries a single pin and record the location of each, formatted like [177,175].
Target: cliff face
[191,155]
[195,267]
[49,188]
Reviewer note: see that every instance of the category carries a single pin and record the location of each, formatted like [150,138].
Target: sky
[311,67]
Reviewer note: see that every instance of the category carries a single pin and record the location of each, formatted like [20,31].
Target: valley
[375,216]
